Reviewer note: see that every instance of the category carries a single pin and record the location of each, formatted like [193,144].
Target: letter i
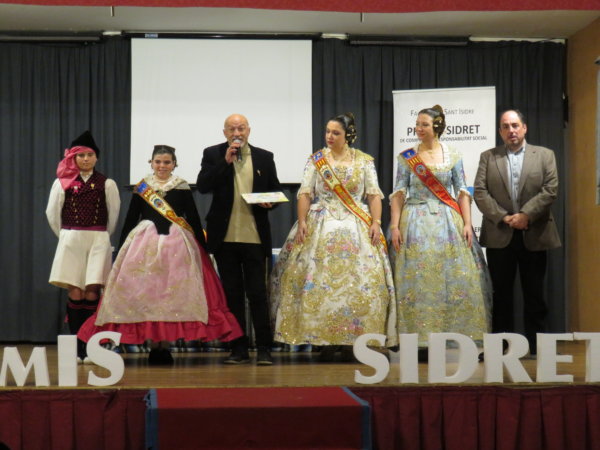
[67,360]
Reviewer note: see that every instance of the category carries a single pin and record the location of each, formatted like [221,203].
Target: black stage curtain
[529,76]
[49,94]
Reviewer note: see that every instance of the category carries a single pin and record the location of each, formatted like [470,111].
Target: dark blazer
[538,188]
[216,177]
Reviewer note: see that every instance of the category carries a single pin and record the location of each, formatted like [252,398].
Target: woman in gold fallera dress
[332,281]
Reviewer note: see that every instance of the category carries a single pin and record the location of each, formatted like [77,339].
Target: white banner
[470,125]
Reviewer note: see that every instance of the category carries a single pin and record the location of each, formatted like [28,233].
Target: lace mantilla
[174,182]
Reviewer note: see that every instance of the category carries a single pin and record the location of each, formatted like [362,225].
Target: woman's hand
[396,239]
[374,232]
[468,235]
[301,233]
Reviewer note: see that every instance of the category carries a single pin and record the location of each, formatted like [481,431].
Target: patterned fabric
[442,285]
[162,285]
[85,203]
[335,286]
[155,278]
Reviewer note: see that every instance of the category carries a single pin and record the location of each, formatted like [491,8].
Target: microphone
[238,153]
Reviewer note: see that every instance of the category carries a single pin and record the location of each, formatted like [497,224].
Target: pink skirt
[141,322]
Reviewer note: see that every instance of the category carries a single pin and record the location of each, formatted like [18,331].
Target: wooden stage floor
[290,369]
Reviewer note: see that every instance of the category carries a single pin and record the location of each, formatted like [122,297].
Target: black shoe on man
[237,357]
[160,357]
[263,357]
[504,351]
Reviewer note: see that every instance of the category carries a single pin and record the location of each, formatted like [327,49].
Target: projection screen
[183,89]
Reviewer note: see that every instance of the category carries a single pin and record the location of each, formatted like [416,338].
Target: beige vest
[242,226]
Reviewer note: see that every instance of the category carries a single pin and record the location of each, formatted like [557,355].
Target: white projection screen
[183,89]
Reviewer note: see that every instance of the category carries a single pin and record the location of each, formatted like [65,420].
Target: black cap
[86,140]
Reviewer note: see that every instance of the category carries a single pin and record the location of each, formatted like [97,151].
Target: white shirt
[57,200]
[515,167]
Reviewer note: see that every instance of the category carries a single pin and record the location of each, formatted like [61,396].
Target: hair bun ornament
[351,134]
[439,119]
[350,127]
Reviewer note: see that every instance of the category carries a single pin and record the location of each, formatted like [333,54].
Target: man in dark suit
[515,186]
[239,234]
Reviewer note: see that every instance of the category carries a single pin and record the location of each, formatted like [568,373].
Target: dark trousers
[503,264]
[242,268]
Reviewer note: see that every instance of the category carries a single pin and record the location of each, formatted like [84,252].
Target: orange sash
[160,205]
[336,186]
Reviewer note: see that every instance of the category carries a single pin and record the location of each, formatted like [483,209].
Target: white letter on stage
[592,355]
[105,358]
[409,360]
[467,358]
[495,360]
[371,358]
[12,360]
[547,358]
[67,360]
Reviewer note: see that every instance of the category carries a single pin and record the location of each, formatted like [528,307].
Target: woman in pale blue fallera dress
[440,276]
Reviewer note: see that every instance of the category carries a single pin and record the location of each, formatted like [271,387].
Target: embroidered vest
[85,204]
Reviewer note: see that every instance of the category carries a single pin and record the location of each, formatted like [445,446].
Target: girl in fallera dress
[441,279]
[332,281]
[83,209]
[162,286]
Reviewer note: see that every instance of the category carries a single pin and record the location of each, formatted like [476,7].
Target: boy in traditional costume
[82,210]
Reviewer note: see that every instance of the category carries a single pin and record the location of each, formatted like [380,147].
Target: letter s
[108,359]
[371,358]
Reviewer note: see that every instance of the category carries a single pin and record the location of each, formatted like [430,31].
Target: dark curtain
[49,94]
[446,417]
[484,417]
[529,76]
[72,419]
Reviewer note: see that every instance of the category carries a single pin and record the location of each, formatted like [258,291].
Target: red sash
[421,170]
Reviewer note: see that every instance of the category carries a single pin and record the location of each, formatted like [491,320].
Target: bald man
[238,234]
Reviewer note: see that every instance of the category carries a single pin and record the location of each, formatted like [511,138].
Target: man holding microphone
[239,234]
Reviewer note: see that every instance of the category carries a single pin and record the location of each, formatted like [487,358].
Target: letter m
[12,361]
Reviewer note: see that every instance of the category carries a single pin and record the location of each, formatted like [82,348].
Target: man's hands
[519,221]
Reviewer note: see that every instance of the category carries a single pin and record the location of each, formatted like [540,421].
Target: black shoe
[237,357]
[263,357]
[504,351]
[81,349]
[160,357]
[348,354]
[328,353]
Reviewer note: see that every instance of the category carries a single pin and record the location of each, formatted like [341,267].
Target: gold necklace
[431,152]
[342,158]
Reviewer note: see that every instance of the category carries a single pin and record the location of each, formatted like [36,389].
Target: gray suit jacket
[538,189]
